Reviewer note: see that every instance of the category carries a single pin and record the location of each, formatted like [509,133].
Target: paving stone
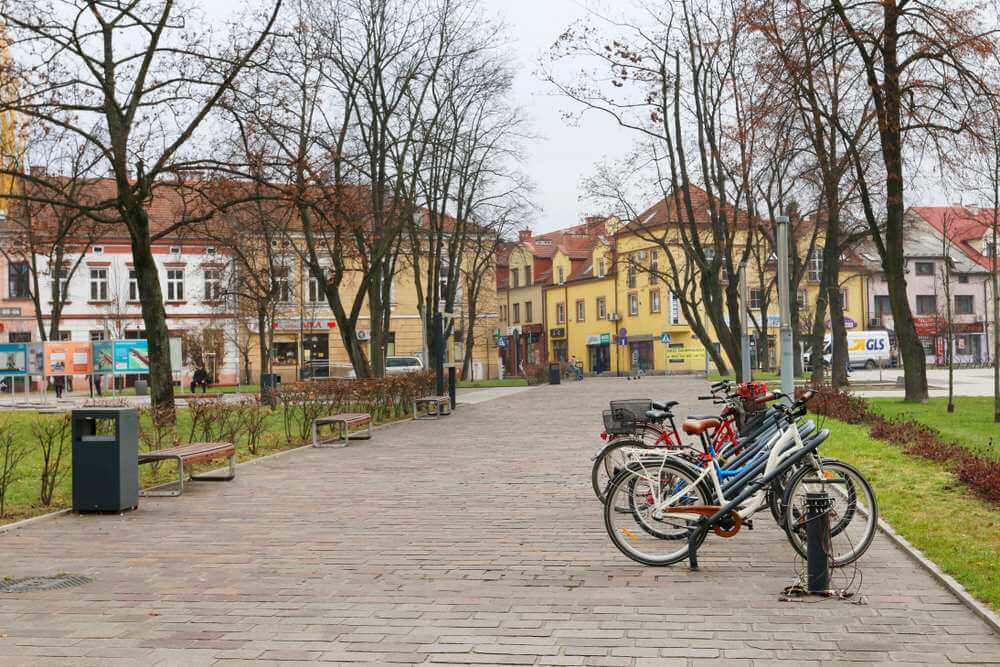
[473,539]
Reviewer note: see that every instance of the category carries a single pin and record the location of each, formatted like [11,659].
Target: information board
[13,358]
[103,352]
[67,358]
[131,356]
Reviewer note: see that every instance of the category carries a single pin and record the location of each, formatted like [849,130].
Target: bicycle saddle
[699,426]
[657,415]
[701,417]
[666,406]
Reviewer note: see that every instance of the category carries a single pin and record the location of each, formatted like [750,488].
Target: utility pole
[745,322]
[785,307]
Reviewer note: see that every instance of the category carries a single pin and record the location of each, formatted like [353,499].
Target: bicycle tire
[603,461]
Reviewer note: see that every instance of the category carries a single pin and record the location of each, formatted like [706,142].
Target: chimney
[38,172]
[524,235]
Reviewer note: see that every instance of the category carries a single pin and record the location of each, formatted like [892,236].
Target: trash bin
[555,373]
[270,387]
[105,459]
[141,387]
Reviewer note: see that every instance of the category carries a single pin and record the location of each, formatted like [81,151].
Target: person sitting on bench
[200,379]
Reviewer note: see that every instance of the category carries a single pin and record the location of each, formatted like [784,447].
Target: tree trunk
[154,316]
[840,354]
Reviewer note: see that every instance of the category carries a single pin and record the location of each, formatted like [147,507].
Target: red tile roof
[665,211]
[962,225]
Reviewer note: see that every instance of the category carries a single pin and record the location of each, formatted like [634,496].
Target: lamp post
[744,322]
[785,307]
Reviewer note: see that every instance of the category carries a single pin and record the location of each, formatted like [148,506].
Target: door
[316,353]
[641,356]
[599,358]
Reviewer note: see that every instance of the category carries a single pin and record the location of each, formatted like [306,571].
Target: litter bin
[270,387]
[555,373]
[141,387]
[105,459]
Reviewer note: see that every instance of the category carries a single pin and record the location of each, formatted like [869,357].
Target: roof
[665,211]
[962,225]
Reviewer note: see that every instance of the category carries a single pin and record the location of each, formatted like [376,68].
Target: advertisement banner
[104,356]
[36,358]
[131,356]
[67,358]
[13,358]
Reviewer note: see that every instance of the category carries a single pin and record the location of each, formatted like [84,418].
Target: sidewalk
[469,539]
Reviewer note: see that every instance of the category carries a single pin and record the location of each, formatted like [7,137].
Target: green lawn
[926,505]
[483,384]
[757,375]
[186,389]
[971,425]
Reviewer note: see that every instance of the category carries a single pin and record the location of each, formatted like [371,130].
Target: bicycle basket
[636,407]
[619,422]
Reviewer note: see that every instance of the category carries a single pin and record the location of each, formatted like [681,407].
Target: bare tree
[134,82]
[922,64]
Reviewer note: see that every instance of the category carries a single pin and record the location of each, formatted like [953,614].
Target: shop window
[286,353]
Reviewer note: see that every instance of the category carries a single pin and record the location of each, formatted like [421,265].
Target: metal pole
[745,322]
[784,304]
[439,354]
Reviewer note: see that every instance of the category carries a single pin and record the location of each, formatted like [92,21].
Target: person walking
[59,384]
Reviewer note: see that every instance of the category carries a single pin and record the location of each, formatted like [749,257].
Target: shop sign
[594,340]
[559,332]
[849,323]
[605,339]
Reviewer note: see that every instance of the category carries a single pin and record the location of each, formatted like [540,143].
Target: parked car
[398,365]
[866,349]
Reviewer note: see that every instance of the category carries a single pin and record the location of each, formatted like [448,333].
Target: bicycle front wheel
[637,516]
[853,511]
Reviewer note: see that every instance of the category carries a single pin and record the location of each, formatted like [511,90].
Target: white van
[866,349]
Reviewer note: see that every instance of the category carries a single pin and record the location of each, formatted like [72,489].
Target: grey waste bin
[141,387]
[105,459]
[555,373]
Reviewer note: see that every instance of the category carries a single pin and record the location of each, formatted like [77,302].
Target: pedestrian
[97,384]
[200,378]
[59,384]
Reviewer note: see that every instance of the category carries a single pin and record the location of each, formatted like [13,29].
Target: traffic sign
[665,338]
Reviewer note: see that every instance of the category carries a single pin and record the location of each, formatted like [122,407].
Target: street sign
[623,340]
[502,341]
[665,338]
[623,333]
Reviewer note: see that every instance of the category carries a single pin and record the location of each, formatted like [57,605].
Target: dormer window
[97,250]
[210,250]
[175,250]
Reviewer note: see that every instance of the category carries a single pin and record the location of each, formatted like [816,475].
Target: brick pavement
[468,540]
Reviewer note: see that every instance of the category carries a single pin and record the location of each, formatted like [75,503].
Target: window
[527,276]
[963,304]
[560,313]
[600,268]
[280,285]
[19,336]
[756,298]
[710,254]
[175,284]
[98,334]
[815,266]
[98,284]
[97,250]
[18,280]
[654,300]
[925,268]
[315,294]
[802,298]
[926,304]
[989,249]
[581,310]
[631,276]
[883,306]
[675,309]
[843,297]
[514,278]
[654,267]
[60,279]
[633,303]
[562,276]
[602,308]
[175,250]
[517,313]
[213,284]
[963,278]
[210,250]
[133,286]
[529,308]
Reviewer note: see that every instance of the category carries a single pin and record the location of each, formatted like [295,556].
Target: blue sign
[501,341]
[131,356]
[665,338]
[623,340]
[13,358]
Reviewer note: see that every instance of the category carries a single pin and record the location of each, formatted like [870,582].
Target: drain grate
[33,584]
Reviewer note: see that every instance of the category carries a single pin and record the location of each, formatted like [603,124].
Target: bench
[346,422]
[188,455]
[438,403]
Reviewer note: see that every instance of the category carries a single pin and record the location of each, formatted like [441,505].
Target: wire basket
[637,407]
[619,422]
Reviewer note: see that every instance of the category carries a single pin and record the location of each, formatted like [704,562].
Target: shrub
[11,454]
[52,437]
[536,373]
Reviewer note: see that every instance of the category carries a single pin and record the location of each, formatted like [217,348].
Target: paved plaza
[473,539]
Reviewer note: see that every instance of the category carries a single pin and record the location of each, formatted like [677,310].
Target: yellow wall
[522,294]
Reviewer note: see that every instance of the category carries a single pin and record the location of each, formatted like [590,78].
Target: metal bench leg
[224,478]
[153,493]
[315,443]
[346,432]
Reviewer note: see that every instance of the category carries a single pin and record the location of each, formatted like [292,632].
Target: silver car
[397,366]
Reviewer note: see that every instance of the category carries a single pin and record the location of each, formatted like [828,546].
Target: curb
[949,582]
[26,522]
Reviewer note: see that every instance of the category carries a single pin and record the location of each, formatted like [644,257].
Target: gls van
[865,349]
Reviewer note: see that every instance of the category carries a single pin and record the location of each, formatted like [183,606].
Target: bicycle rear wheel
[636,517]
[853,514]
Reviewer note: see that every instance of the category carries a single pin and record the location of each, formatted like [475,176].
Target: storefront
[641,353]
[560,346]
[599,353]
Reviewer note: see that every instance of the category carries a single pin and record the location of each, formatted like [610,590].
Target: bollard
[817,538]
[451,385]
